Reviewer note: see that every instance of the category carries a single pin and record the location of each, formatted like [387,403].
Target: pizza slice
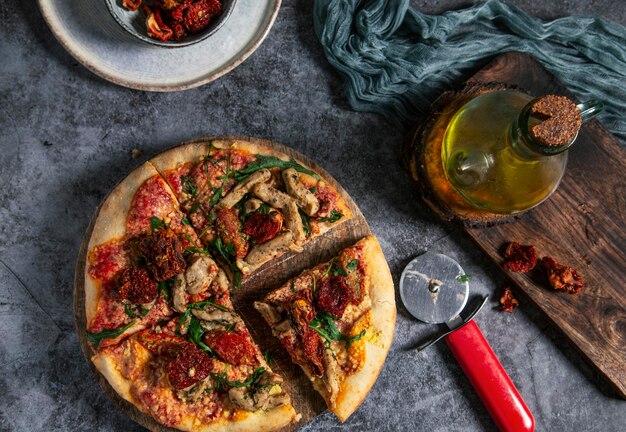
[199,372]
[336,321]
[141,244]
[249,203]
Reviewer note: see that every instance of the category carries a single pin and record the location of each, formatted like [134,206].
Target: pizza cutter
[434,290]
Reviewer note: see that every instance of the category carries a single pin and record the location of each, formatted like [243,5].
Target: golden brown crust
[355,387]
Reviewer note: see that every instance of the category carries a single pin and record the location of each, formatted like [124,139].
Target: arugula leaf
[185,220]
[268,356]
[324,325]
[464,278]
[306,222]
[143,311]
[271,162]
[313,189]
[237,278]
[352,265]
[156,223]
[350,341]
[194,208]
[334,217]
[339,271]
[264,209]
[96,338]
[204,303]
[195,332]
[221,379]
[217,194]
[128,310]
[164,289]
[189,187]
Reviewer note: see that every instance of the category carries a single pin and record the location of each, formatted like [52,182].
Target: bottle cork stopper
[559,118]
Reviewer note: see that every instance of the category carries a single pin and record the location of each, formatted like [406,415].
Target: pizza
[336,321]
[170,244]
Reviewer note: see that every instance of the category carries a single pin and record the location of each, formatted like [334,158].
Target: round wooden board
[305,400]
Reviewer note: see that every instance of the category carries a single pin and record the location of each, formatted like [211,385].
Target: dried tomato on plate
[561,277]
[508,303]
[520,258]
[131,5]
[199,15]
[157,29]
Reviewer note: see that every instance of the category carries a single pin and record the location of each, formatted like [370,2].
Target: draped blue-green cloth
[395,60]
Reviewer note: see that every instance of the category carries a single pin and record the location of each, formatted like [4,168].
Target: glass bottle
[491,158]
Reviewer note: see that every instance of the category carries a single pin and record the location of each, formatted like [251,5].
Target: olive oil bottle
[494,153]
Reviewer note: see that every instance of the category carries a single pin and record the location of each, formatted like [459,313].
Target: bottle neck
[523,143]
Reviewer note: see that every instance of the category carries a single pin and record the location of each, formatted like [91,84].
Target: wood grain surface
[582,225]
[306,401]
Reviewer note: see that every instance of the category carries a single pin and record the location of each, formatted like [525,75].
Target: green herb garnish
[313,189]
[339,271]
[204,303]
[189,187]
[264,209]
[306,222]
[352,265]
[156,223]
[131,311]
[464,278]
[271,162]
[96,338]
[185,220]
[195,332]
[221,380]
[334,217]
[324,325]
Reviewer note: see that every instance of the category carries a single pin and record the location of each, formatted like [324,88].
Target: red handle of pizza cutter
[490,380]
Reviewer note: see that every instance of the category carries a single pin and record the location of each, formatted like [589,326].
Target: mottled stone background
[66,138]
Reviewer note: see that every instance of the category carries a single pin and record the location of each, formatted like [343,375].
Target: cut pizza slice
[138,256]
[336,321]
[248,203]
[199,372]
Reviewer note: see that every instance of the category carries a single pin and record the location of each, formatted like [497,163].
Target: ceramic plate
[89,33]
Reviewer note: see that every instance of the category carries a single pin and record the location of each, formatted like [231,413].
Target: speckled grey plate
[134,22]
[89,33]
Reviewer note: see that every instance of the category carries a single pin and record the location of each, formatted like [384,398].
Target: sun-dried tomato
[157,29]
[161,344]
[520,258]
[228,227]
[300,309]
[561,277]
[334,295]
[199,15]
[263,227]
[163,252]
[170,4]
[508,303]
[233,347]
[136,286]
[189,367]
[131,5]
[314,350]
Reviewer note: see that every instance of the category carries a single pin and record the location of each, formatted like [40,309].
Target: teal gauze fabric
[395,61]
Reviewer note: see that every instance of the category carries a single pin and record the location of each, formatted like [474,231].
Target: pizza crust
[355,387]
[258,421]
[111,224]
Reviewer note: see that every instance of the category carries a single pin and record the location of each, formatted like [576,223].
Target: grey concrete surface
[66,138]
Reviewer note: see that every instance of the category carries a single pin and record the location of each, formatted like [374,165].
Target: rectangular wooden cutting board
[582,225]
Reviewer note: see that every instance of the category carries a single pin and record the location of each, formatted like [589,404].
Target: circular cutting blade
[432,289]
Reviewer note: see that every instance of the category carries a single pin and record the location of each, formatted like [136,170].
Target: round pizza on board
[168,246]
